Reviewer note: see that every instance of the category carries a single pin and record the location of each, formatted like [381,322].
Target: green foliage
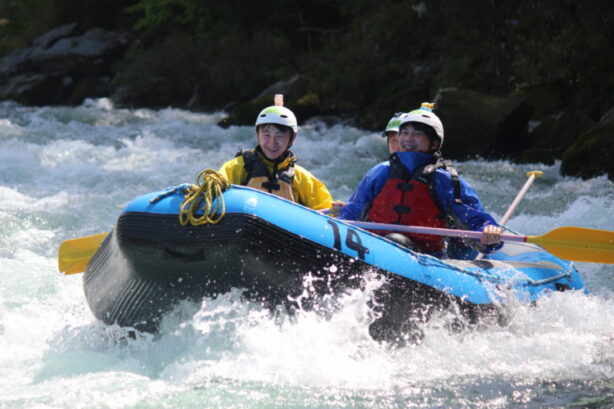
[374,66]
[19,27]
[591,155]
[163,74]
[23,20]
[164,16]
[501,46]
[373,58]
[169,72]
[360,57]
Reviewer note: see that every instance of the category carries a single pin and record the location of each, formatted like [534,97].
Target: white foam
[64,172]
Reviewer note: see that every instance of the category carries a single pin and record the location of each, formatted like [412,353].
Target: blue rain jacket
[469,214]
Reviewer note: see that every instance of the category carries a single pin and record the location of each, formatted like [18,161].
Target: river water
[65,172]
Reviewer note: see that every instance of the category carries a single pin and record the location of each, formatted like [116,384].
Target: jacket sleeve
[234,170]
[310,191]
[365,193]
[470,213]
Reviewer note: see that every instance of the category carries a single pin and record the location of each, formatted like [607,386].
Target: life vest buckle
[271,186]
[401,209]
[405,187]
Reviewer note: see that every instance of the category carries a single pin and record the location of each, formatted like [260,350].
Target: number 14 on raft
[569,243]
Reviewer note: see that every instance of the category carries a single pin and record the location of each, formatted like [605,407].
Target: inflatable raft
[266,246]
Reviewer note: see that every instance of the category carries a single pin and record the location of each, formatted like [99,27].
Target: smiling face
[414,140]
[393,141]
[274,140]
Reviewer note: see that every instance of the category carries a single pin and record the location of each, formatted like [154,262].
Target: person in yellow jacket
[272,167]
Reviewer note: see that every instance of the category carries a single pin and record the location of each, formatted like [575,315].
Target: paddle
[569,243]
[74,254]
[531,177]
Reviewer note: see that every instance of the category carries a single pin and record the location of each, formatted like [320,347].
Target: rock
[591,155]
[547,98]
[482,125]
[512,136]
[552,136]
[246,113]
[60,62]
[304,104]
[49,38]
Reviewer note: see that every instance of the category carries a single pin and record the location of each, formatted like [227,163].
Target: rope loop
[209,188]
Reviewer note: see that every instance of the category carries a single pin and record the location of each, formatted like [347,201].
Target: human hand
[183,188]
[491,235]
[336,207]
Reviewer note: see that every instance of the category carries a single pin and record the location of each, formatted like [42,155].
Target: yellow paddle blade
[578,244]
[74,254]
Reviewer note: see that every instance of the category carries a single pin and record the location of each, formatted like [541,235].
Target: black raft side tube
[150,262]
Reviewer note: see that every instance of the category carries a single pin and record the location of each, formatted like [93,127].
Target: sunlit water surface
[66,172]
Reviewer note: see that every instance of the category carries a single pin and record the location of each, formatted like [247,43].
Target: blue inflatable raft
[266,245]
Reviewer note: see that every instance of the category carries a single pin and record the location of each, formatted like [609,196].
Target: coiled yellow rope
[210,186]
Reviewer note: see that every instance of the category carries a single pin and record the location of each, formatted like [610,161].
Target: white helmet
[278,114]
[425,115]
[393,124]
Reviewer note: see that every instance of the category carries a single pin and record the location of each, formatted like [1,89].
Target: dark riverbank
[528,80]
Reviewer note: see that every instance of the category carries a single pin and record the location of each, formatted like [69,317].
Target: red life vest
[407,200]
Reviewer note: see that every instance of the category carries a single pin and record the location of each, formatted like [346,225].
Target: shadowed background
[523,80]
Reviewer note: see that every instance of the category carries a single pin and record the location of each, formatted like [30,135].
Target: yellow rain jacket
[285,179]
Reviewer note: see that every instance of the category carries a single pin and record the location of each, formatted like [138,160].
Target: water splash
[65,172]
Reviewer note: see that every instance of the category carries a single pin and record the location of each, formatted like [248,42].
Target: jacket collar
[414,160]
[283,161]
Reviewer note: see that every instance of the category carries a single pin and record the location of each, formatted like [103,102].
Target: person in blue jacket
[417,187]
[391,133]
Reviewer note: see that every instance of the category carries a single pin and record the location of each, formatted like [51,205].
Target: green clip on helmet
[277,114]
[393,124]
[425,115]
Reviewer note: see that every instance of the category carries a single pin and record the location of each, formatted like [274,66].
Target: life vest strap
[258,176]
[271,186]
[425,174]
[405,187]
